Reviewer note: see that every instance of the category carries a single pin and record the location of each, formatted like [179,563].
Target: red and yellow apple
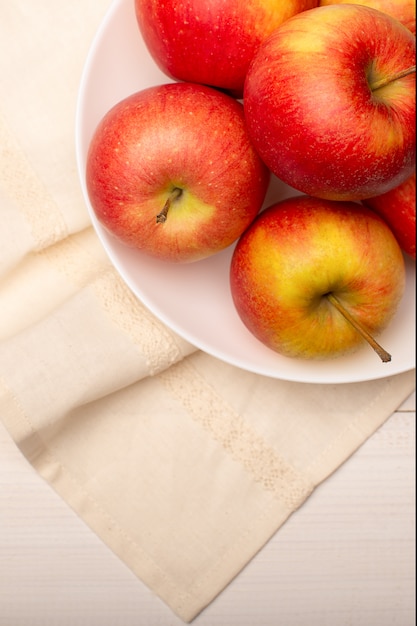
[330,101]
[398,208]
[210,42]
[403,10]
[171,171]
[316,279]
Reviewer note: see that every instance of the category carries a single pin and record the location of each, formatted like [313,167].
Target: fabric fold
[178,480]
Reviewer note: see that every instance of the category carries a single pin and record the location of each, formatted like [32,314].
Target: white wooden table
[346,558]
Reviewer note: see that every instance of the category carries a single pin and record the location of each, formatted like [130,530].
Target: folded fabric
[183,465]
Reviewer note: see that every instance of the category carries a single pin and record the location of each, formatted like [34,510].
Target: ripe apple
[403,10]
[171,170]
[330,102]
[313,278]
[398,208]
[210,42]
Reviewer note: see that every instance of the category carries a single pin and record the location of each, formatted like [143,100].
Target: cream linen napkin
[183,465]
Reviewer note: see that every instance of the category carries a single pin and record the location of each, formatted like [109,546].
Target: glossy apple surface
[313,108]
[210,42]
[300,250]
[398,208]
[180,141]
[402,10]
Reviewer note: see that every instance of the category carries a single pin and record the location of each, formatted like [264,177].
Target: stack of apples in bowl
[314,97]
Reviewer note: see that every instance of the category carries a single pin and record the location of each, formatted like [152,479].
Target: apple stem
[162,216]
[389,79]
[383,354]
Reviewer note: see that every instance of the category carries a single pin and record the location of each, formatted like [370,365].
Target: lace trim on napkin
[29,194]
[244,445]
[157,343]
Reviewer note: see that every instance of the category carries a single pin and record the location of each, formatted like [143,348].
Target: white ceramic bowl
[194,299]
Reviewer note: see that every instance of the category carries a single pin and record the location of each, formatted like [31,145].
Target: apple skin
[175,136]
[210,42]
[398,208]
[311,112]
[402,10]
[302,248]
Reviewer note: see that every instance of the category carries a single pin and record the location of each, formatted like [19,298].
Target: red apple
[403,10]
[171,170]
[314,278]
[327,105]
[210,42]
[398,208]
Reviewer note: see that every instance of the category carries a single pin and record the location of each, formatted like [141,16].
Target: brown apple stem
[390,79]
[162,215]
[383,354]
